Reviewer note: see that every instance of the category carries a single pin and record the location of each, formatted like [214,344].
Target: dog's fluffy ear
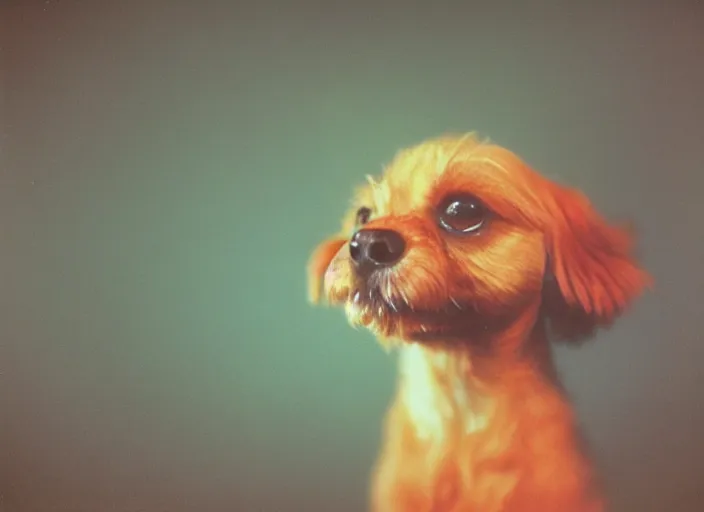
[318,264]
[593,274]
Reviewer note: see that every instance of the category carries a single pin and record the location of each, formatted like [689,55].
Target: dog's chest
[435,396]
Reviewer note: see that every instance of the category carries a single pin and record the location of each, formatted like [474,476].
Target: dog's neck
[487,422]
[454,391]
[436,391]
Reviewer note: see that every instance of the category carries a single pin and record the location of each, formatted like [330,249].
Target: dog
[468,261]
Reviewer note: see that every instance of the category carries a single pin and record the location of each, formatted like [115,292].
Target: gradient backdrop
[167,166]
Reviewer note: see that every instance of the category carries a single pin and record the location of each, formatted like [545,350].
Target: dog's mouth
[385,307]
[394,316]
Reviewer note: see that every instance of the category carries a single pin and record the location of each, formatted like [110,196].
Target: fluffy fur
[479,421]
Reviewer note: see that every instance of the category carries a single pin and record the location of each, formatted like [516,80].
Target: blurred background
[166,167]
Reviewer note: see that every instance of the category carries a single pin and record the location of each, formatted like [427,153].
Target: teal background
[166,167]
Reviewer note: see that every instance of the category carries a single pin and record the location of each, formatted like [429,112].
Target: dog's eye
[462,214]
[363,215]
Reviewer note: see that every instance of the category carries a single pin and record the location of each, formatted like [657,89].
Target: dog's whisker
[389,291]
[403,297]
[405,300]
[454,301]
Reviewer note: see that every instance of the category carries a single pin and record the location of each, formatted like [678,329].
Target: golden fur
[479,421]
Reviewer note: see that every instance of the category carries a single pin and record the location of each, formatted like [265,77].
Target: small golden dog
[466,259]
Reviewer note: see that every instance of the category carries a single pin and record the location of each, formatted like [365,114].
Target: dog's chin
[398,320]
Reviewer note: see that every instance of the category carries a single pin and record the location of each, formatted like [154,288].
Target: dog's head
[459,237]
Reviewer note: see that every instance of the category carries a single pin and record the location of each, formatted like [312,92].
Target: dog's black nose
[374,248]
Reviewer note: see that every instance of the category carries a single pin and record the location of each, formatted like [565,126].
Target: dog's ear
[318,264]
[592,275]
